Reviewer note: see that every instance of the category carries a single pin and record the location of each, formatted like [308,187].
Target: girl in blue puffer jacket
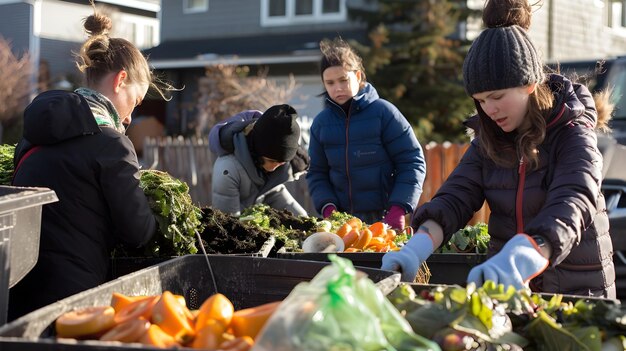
[365,158]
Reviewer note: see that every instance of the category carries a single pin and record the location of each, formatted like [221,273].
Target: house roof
[266,49]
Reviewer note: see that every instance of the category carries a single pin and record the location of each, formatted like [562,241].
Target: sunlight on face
[270,165]
[506,107]
[340,84]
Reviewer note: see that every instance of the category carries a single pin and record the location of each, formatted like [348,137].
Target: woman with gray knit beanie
[536,162]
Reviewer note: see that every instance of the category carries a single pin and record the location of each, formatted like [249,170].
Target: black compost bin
[121,266]
[445,268]
[246,281]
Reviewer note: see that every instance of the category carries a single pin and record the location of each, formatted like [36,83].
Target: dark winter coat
[366,160]
[561,200]
[238,182]
[94,172]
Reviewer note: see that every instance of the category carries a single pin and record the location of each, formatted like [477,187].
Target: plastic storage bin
[246,281]
[20,226]
[451,268]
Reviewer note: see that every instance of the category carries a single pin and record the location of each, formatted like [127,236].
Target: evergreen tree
[414,62]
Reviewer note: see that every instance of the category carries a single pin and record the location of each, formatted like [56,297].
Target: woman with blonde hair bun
[74,144]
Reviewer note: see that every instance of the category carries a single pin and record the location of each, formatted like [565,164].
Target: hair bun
[506,13]
[97,24]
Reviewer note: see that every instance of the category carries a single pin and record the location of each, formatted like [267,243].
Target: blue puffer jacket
[367,160]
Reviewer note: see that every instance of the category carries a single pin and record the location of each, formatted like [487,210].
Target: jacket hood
[57,115]
[573,104]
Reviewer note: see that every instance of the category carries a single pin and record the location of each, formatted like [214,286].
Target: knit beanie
[501,58]
[276,134]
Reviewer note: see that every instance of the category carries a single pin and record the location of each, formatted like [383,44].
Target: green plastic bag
[339,309]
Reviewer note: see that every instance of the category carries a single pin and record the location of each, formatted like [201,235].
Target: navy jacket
[366,160]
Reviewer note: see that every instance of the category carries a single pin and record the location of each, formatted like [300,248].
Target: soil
[225,234]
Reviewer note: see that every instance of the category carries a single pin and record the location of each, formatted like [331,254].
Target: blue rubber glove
[519,261]
[410,257]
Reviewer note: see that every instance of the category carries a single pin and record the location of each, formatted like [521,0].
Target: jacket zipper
[519,198]
[347,155]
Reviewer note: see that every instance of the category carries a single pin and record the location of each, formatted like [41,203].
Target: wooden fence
[190,160]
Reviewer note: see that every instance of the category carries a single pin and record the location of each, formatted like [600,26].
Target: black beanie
[501,58]
[276,134]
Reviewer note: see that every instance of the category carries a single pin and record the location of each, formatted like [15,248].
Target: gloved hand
[410,257]
[516,264]
[328,209]
[395,217]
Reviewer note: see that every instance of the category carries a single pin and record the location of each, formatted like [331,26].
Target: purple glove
[395,217]
[328,209]
[516,264]
[410,257]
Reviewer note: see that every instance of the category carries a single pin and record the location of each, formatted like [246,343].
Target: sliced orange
[344,229]
[355,223]
[391,234]
[169,314]
[140,308]
[249,321]
[350,238]
[364,239]
[155,336]
[217,307]
[85,321]
[242,343]
[210,336]
[119,300]
[378,229]
[352,249]
[129,331]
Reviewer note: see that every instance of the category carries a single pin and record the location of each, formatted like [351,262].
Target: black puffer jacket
[94,172]
[561,200]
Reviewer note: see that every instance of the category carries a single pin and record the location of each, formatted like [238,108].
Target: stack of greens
[6,163]
[494,318]
[178,217]
[471,239]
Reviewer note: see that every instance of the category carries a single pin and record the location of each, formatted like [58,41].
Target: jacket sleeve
[318,177]
[280,198]
[408,160]
[132,217]
[225,186]
[215,144]
[460,196]
[571,202]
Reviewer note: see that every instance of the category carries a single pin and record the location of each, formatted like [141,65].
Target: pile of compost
[227,234]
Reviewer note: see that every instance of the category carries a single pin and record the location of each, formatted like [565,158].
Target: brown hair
[337,52]
[505,13]
[101,55]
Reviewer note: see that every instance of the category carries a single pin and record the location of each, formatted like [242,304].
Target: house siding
[227,18]
[59,54]
[15,25]
[579,32]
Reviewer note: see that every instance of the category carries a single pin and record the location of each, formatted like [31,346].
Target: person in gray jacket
[258,153]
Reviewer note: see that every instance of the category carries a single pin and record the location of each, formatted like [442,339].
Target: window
[194,6]
[617,13]
[287,12]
